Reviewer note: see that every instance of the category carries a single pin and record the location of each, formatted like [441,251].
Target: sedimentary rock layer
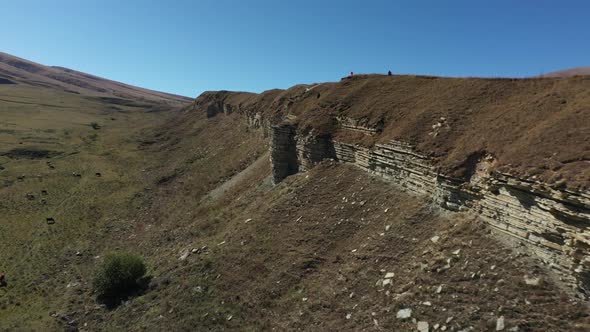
[554,223]
[283,152]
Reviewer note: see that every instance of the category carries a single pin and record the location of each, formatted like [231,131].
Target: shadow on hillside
[21,153]
[112,302]
[6,81]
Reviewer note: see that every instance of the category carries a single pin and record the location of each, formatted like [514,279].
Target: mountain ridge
[21,71]
[576,71]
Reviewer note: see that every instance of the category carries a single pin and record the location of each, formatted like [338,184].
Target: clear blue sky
[187,47]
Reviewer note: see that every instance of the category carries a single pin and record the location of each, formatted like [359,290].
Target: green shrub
[119,275]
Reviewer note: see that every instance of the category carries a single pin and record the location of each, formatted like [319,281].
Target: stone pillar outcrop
[313,149]
[283,152]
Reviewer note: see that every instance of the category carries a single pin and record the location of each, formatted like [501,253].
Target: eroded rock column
[283,152]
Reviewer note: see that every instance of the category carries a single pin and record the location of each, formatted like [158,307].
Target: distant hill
[14,70]
[569,72]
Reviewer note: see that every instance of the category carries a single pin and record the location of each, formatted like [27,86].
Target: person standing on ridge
[389,73]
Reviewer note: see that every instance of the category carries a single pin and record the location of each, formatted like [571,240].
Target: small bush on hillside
[94,125]
[120,275]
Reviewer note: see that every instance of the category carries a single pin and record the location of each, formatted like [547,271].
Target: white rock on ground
[435,239]
[422,326]
[404,313]
[184,255]
[532,281]
[389,275]
[500,324]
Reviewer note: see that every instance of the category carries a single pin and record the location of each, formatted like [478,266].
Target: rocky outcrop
[291,153]
[554,223]
[358,125]
[214,103]
[313,149]
[283,152]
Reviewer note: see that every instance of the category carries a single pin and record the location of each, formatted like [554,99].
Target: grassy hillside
[45,138]
[15,70]
[52,146]
[225,249]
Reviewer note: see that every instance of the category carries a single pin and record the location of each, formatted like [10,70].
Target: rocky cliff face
[283,152]
[553,223]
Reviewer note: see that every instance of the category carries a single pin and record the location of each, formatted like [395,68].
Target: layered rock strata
[554,223]
[283,152]
[357,125]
